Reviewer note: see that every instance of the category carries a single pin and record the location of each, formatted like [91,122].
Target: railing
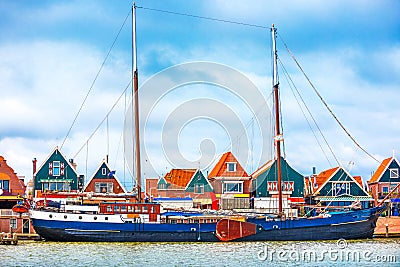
[10,213]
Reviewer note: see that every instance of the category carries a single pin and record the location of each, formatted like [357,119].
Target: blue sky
[51,51]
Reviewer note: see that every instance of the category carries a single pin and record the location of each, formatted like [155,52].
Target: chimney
[314,170]
[73,163]
[34,161]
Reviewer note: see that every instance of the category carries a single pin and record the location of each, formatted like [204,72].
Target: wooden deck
[393,227]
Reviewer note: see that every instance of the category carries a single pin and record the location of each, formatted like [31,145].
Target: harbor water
[373,252]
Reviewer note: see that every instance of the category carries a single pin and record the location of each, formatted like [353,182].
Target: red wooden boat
[228,229]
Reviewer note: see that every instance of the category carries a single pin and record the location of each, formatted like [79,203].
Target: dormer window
[231,166]
[394,173]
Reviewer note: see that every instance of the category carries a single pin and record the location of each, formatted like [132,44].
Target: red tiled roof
[180,177]
[323,177]
[220,169]
[359,180]
[381,169]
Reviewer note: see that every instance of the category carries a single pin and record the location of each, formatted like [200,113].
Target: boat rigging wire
[108,113]
[293,87]
[206,18]
[95,79]
[323,101]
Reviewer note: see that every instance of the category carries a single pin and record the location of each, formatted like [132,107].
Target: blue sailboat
[144,222]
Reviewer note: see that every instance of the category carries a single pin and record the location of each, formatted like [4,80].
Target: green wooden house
[337,187]
[264,181]
[57,174]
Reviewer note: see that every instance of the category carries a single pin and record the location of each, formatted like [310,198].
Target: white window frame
[14,223]
[224,191]
[343,185]
[231,164]
[103,171]
[394,173]
[56,167]
[198,186]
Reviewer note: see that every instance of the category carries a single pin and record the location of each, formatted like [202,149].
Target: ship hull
[350,225]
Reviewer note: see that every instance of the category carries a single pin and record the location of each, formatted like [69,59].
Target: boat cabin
[132,210]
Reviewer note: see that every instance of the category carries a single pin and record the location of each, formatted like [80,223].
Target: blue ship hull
[348,225]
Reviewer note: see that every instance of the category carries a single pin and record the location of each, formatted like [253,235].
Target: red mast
[278,136]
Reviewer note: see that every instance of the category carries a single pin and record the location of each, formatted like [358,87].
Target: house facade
[12,191]
[104,181]
[384,180]
[231,183]
[265,187]
[336,188]
[57,174]
[186,183]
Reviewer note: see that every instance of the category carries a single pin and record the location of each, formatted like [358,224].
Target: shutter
[50,168]
[62,168]
[97,187]
[110,187]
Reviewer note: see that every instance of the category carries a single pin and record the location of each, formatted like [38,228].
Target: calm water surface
[376,252]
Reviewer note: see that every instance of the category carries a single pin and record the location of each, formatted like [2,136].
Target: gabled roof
[48,157]
[104,162]
[220,169]
[263,168]
[381,170]
[323,178]
[179,177]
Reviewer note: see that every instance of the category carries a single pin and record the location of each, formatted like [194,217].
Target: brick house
[231,183]
[104,181]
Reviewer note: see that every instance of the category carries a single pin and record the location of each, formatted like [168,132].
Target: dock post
[387,230]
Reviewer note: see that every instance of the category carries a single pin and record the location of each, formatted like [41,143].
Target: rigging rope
[323,101]
[95,79]
[291,83]
[109,112]
[206,18]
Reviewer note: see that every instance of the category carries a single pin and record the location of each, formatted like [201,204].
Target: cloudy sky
[52,51]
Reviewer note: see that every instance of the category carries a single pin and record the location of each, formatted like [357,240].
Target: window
[13,223]
[56,186]
[231,166]
[385,189]
[233,187]
[340,189]
[56,168]
[103,171]
[101,187]
[161,186]
[394,173]
[198,188]
[5,184]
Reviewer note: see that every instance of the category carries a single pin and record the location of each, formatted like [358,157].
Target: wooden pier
[387,227]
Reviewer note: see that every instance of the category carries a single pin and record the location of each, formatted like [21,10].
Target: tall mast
[278,136]
[135,94]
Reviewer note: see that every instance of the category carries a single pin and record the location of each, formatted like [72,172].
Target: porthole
[106,218]
[80,217]
[50,216]
[95,218]
[65,216]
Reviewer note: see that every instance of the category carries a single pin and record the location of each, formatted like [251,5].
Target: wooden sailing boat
[144,222]
[346,224]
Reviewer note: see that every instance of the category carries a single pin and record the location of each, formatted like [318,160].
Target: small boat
[144,222]
[20,208]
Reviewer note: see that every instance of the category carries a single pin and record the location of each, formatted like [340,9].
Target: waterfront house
[12,190]
[186,183]
[265,186]
[57,174]
[384,180]
[336,187]
[104,181]
[231,183]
